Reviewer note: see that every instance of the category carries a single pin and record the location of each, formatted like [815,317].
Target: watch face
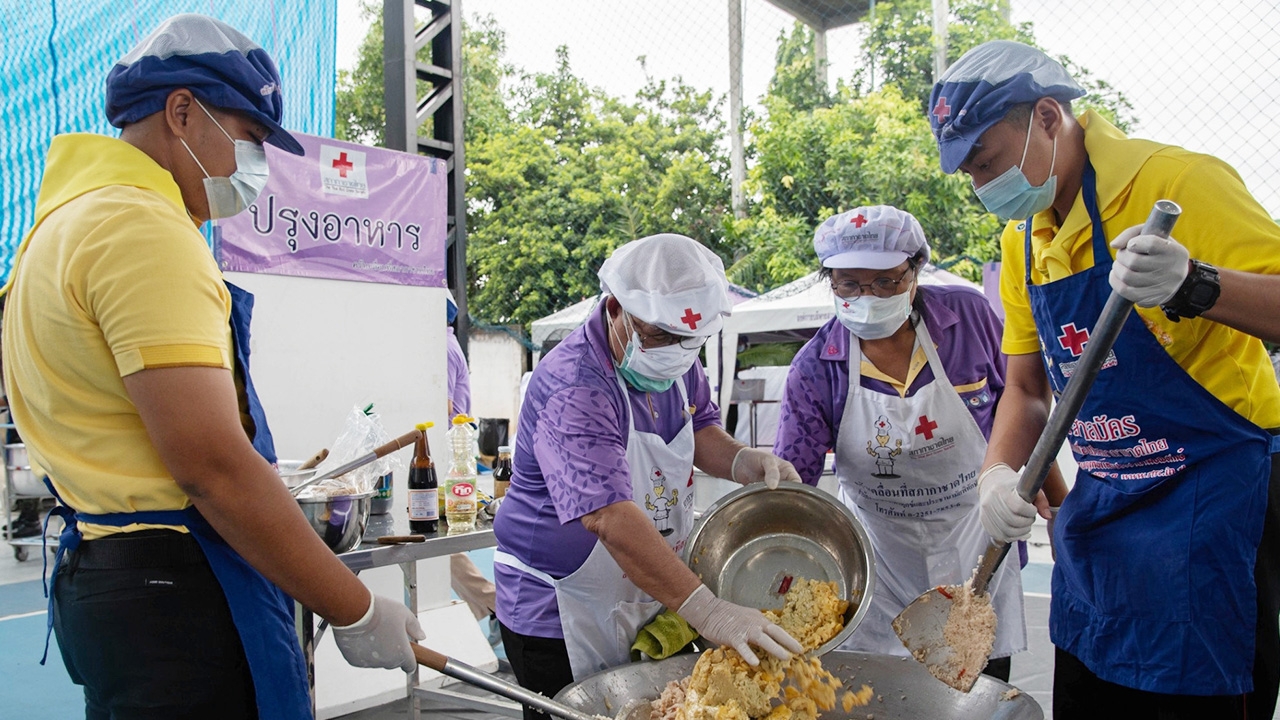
[1201,294]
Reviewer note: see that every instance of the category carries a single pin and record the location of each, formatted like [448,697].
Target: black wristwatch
[1198,292]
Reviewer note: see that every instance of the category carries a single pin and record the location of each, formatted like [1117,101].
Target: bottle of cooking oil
[460,482]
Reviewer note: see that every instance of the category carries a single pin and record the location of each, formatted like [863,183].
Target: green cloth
[667,635]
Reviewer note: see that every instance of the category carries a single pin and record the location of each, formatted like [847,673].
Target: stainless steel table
[372,555]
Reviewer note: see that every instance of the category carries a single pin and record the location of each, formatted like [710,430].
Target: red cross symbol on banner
[942,110]
[926,427]
[691,318]
[858,220]
[342,165]
[1073,339]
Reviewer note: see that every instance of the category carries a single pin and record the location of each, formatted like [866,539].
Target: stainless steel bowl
[17,468]
[750,541]
[904,690]
[339,520]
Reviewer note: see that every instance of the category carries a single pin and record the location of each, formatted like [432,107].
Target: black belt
[142,549]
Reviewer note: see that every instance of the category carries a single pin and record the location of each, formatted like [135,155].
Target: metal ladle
[403,441]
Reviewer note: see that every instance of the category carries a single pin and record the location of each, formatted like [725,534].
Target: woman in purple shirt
[903,385]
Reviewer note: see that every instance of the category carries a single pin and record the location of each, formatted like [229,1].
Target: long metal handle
[1101,338]
[495,685]
[403,441]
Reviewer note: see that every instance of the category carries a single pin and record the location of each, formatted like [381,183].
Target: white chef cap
[669,281]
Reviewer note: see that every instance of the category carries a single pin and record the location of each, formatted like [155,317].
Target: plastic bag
[361,434]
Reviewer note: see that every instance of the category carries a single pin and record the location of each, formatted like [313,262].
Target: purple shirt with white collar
[966,332]
[570,460]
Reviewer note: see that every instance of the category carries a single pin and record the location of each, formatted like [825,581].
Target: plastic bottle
[424,515]
[502,471]
[460,482]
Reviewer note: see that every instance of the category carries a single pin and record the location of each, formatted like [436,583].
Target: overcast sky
[1203,75]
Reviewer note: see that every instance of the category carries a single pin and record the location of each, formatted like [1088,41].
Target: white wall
[320,347]
[496,361]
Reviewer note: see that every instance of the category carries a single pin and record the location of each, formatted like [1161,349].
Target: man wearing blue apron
[126,358]
[1165,596]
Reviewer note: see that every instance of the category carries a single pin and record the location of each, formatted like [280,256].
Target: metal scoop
[473,676]
[921,623]
[403,441]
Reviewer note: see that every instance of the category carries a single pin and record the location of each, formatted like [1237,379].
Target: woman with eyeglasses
[903,384]
[601,499]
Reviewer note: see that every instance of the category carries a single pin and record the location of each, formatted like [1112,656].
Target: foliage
[899,43]
[795,76]
[873,150]
[579,173]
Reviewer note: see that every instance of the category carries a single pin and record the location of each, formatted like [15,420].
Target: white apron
[601,611]
[908,468]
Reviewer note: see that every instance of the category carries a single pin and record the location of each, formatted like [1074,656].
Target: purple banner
[343,212]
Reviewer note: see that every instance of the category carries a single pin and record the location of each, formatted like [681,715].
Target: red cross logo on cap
[343,165]
[926,427]
[859,220]
[942,110]
[691,318]
[1073,339]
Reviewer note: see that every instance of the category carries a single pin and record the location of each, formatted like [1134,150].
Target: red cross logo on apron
[926,427]
[1073,339]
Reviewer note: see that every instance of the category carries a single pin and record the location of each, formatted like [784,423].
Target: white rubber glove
[380,639]
[1148,269]
[1005,515]
[755,465]
[739,627]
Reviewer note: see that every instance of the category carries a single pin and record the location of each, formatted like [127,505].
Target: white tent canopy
[557,326]
[804,304]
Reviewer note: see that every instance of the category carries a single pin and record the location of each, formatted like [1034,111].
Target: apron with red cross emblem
[908,468]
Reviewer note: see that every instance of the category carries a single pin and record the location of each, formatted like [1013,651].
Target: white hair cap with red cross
[875,237]
[670,281]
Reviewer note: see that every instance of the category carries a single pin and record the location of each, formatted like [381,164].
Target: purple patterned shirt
[966,332]
[571,459]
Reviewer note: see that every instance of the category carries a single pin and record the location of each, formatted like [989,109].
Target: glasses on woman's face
[881,287]
[651,337]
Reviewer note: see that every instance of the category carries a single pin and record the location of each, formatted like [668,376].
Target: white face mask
[657,368]
[230,195]
[872,318]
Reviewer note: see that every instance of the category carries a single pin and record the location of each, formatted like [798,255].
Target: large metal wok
[904,690]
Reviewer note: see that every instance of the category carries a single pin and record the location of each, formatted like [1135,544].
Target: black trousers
[1078,693]
[540,664]
[143,625]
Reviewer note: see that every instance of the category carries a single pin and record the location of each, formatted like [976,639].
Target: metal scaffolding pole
[737,156]
[404,42]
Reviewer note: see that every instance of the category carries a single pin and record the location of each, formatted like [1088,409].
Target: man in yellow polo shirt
[126,364]
[1165,585]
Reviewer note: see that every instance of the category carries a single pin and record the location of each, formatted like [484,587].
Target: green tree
[899,43]
[795,76]
[577,174]
[360,110]
[871,150]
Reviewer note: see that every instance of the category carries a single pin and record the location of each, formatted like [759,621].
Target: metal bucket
[751,542]
[904,690]
[17,468]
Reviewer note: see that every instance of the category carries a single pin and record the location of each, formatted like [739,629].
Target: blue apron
[1153,585]
[262,613]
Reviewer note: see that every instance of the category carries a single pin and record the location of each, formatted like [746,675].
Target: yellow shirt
[114,278]
[1221,224]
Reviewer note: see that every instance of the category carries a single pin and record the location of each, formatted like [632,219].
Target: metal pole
[820,57]
[871,21]
[737,156]
[941,11]
[398,74]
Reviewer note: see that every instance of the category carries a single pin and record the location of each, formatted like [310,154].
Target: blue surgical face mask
[228,196]
[1011,196]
